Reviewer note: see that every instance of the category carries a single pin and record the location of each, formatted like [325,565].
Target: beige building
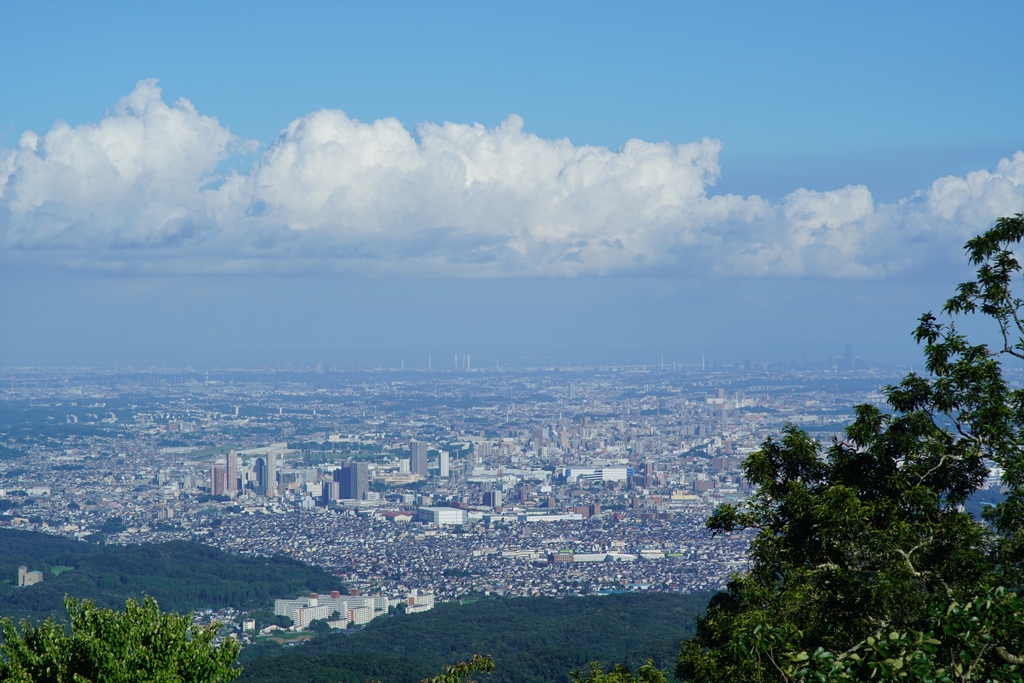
[27,578]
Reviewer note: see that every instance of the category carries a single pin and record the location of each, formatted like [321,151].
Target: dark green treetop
[864,565]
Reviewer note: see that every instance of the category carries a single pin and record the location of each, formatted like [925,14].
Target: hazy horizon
[228,184]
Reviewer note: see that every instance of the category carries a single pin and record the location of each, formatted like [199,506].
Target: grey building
[353,480]
[418,459]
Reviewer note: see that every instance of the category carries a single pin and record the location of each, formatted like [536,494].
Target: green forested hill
[533,640]
[182,576]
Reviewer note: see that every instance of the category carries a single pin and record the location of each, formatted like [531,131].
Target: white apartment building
[356,609]
[419,602]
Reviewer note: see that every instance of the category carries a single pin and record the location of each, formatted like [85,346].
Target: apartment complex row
[350,609]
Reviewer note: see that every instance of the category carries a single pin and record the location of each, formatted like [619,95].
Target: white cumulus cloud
[140,190]
[133,179]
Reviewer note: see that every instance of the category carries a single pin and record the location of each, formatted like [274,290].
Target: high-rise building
[261,477]
[330,490]
[218,480]
[231,483]
[271,474]
[418,457]
[403,466]
[353,480]
[444,463]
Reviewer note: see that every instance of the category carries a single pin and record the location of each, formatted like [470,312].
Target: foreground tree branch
[864,566]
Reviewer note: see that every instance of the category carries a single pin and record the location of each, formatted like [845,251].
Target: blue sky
[783,144]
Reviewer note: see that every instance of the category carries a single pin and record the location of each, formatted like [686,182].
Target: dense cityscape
[547,481]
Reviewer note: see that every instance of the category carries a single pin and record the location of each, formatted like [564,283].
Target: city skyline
[356,339]
[515,480]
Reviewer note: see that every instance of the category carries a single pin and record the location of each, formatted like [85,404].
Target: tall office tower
[572,391]
[329,490]
[403,466]
[538,437]
[218,480]
[271,474]
[444,463]
[492,499]
[231,485]
[261,477]
[418,457]
[360,480]
[353,480]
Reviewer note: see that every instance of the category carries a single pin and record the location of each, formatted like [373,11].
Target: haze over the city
[352,341]
[245,184]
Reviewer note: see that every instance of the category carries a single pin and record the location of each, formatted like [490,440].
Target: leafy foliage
[459,673]
[135,646]
[319,626]
[647,673]
[865,566]
[183,576]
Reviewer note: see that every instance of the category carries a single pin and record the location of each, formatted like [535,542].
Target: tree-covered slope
[182,576]
[533,640]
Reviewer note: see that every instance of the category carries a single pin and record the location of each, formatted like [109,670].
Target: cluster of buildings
[339,611]
[261,477]
[536,482]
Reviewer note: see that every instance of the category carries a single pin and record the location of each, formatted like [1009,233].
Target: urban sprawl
[416,486]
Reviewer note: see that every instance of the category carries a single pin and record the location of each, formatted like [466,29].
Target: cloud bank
[141,190]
